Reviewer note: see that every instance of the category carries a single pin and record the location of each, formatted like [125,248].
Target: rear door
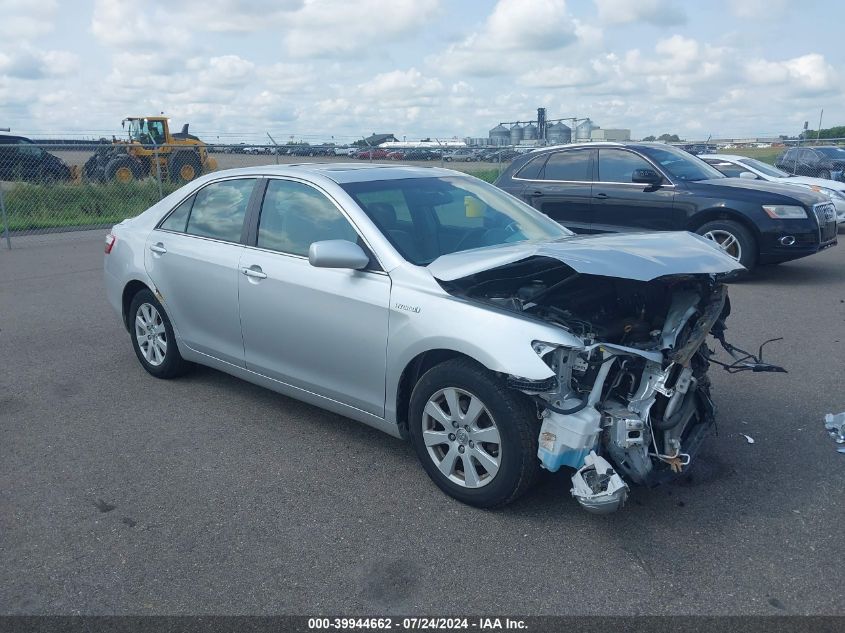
[622,205]
[563,188]
[192,258]
[323,330]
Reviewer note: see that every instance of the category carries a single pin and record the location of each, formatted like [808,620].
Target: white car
[744,167]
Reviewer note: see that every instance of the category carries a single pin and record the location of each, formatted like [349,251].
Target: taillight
[111,240]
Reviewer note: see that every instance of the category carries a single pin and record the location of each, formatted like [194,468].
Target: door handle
[601,196]
[536,194]
[255,272]
[158,248]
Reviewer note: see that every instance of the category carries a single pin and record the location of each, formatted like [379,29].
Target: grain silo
[517,132]
[583,130]
[500,135]
[529,132]
[558,133]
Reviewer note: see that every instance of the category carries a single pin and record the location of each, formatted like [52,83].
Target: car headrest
[383,214]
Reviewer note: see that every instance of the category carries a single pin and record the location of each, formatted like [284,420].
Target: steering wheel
[469,234]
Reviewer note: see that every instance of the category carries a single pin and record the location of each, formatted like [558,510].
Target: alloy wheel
[727,241]
[151,334]
[461,437]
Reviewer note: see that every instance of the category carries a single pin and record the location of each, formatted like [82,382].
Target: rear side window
[219,210]
[572,165]
[294,215]
[178,218]
[618,166]
[533,168]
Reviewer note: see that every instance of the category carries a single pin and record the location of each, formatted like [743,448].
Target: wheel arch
[412,373]
[133,287]
[722,213]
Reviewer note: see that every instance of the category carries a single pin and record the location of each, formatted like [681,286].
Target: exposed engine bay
[632,404]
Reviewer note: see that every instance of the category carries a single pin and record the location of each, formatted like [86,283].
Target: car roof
[343,173]
[723,156]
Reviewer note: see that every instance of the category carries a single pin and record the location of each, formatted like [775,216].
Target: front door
[323,330]
[622,205]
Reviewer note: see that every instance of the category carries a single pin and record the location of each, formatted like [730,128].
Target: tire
[824,174]
[506,414]
[447,159]
[184,167]
[121,169]
[745,243]
[170,364]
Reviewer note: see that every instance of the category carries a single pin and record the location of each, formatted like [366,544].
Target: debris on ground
[748,438]
[835,426]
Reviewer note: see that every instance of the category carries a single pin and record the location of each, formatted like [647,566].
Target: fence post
[158,172]
[5,219]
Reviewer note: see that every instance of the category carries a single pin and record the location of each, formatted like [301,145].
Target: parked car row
[826,162]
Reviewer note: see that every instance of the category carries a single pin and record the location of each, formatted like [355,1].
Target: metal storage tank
[500,135]
[583,130]
[517,132]
[558,134]
[529,132]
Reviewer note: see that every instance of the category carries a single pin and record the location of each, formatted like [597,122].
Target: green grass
[764,154]
[488,175]
[34,206]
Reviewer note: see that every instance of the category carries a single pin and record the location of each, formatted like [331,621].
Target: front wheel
[825,174]
[734,239]
[475,437]
[153,339]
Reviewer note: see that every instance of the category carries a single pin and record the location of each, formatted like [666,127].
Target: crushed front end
[632,403]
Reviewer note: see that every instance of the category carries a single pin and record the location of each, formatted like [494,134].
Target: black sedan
[611,187]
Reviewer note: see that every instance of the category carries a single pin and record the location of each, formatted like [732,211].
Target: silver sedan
[435,307]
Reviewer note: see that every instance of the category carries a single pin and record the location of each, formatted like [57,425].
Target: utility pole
[819,133]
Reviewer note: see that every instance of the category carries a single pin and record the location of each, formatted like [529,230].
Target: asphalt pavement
[123,494]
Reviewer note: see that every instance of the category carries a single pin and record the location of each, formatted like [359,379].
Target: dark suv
[601,187]
[21,159]
[818,162]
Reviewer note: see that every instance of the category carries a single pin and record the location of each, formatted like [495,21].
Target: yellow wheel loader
[151,150]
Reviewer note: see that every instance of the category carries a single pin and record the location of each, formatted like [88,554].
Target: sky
[323,70]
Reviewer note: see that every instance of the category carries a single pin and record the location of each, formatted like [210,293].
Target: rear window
[220,208]
[572,165]
[533,168]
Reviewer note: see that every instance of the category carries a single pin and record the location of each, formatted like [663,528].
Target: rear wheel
[824,174]
[153,339]
[733,238]
[475,437]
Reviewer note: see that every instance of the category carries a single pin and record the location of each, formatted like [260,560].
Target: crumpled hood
[638,256]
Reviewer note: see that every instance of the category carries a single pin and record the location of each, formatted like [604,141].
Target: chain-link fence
[48,188]
[71,186]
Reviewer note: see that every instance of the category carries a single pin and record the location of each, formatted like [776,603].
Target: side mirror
[747,175]
[647,177]
[337,254]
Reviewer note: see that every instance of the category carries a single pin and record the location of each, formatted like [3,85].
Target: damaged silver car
[435,307]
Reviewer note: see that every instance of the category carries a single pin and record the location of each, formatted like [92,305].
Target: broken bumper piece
[597,487]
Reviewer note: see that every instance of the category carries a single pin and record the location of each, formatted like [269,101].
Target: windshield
[425,218]
[680,165]
[831,152]
[763,168]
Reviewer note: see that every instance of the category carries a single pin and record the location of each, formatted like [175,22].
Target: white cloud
[324,28]
[658,12]
[25,20]
[518,34]
[807,74]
